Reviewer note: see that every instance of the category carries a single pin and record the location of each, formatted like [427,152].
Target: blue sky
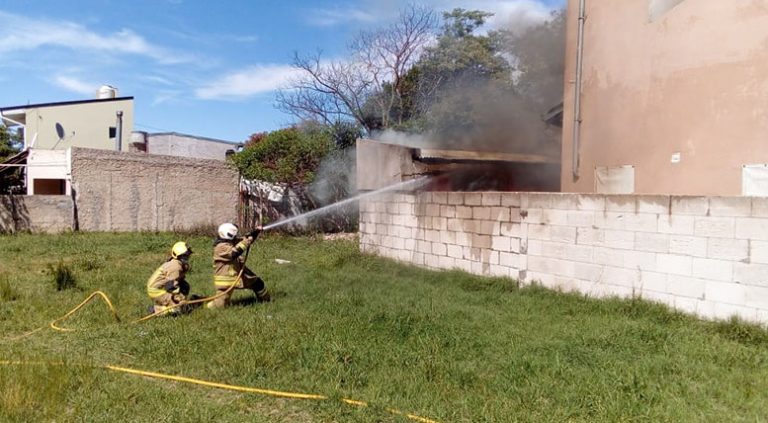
[207,68]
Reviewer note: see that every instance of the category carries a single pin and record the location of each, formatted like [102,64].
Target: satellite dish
[59,131]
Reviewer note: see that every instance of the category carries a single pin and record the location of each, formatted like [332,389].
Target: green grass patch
[445,345]
[7,290]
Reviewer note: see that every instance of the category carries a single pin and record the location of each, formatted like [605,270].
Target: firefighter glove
[171,287]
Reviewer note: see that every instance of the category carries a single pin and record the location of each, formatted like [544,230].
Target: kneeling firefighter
[168,287]
[228,261]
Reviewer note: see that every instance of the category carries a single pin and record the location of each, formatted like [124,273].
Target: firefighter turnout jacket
[169,278]
[228,260]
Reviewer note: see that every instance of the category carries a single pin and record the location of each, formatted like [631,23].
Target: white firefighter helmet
[227,231]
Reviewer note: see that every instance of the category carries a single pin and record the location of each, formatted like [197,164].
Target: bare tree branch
[366,87]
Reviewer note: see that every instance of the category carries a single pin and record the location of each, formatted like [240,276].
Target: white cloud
[516,14]
[248,82]
[166,96]
[75,85]
[22,33]
[157,79]
[338,16]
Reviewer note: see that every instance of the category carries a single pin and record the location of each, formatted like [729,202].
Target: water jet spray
[409,185]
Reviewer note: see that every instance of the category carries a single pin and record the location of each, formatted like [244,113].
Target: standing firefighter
[228,261]
[168,287]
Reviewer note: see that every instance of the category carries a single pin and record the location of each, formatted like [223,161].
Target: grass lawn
[443,345]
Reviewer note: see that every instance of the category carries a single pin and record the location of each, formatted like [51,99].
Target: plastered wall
[676,89]
[135,191]
[38,213]
[703,255]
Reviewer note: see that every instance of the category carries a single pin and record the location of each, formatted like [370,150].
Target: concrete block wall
[703,255]
[135,191]
[38,213]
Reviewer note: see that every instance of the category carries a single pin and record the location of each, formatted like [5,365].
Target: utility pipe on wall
[119,131]
[577,91]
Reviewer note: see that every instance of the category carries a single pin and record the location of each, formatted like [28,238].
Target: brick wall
[37,213]
[703,255]
[135,191]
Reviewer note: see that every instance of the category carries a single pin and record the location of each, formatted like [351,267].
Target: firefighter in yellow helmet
[168,287]
[229,260]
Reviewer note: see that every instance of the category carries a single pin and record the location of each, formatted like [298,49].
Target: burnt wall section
[703,255]
[36,213]
[133,191]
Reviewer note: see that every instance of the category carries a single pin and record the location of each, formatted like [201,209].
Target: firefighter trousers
[249,280]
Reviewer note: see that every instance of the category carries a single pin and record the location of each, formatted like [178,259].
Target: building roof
[63,103]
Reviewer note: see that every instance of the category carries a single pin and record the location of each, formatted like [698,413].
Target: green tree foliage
[9,146]
[291,155]
[460,61]
[460,53]
[345,134]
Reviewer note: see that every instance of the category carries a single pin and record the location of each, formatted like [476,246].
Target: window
[49,187]
[657,8]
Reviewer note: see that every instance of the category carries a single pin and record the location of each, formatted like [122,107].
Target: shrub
[289,156]
[63,277]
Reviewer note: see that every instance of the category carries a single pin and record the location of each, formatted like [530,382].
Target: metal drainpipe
[577,91]
[119,131]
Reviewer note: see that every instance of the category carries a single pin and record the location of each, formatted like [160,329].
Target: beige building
[85,123]
[49,130]
[666,97]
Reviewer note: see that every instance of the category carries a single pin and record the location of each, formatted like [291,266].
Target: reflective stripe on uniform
[225,281]
[155,292]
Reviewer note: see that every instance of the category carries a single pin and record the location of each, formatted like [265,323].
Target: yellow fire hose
[283,394]
[199,300]
[53,325]
[238,388]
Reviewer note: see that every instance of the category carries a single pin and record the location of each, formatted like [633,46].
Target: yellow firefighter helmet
[180,249]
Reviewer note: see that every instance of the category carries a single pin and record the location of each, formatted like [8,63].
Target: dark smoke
[494,115]
[484,116]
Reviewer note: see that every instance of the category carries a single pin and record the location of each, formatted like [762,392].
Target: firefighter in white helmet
[168,286]
[229,260]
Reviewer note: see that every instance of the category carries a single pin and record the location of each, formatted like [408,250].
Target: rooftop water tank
[106,91]
[138,141]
